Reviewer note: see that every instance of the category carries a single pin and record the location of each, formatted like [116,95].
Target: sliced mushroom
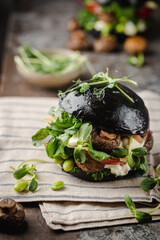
[11,213]
[105,141]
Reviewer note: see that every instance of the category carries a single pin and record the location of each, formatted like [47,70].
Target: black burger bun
[87,176]
[113,112]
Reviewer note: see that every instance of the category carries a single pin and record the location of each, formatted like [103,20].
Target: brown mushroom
[135,45]
[107,17]
[104,141]
[79,34]
[73,25]
[78,41]
[105,44]
[11,213]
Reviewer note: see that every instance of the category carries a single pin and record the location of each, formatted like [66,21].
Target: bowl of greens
[50,67]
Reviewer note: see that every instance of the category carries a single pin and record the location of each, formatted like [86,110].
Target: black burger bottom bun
[88,176]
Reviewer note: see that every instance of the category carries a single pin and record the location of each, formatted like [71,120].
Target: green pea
[68,165]
[20,186]
[57,185]
[58,160]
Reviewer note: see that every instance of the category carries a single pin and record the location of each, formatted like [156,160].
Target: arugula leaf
[79,155]
[66,123]
[84,131]
[97,155]
[148,183]
[119,152]
[130,204]
[41,137]
[143,217]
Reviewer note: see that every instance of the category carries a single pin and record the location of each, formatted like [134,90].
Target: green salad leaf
[119,152]
[148,184]
[42,136]
[79,155]
[97,155]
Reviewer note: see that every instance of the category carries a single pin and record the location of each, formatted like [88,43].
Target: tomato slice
[94,8]
[111,161]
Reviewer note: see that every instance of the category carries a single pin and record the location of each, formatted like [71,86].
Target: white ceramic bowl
[50,80]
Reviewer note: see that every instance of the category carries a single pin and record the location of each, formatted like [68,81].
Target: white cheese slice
[118,170]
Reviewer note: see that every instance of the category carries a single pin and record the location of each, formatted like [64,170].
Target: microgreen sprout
[149,183]
[99,79]
[140,216]
[21,171]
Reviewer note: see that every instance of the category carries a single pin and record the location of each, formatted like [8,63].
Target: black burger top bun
[112,113]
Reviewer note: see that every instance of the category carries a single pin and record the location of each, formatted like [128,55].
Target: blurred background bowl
[51,80]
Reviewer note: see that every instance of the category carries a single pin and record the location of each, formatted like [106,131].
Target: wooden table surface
[45,27]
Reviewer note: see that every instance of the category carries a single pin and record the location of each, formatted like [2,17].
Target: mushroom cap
[135,45]
[72,25]
[113,113]
[7,203]
[105,44]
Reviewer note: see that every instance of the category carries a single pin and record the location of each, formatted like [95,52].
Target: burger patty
[105,141]
[90,165]
[149,142]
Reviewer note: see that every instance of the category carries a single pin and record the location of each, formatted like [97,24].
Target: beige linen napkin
[80,204]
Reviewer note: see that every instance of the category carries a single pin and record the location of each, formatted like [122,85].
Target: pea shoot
[142,217]
[22,170]
[37,61]
[99,79]
[149,183]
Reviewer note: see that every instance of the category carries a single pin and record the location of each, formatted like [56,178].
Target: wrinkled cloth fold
[80,204]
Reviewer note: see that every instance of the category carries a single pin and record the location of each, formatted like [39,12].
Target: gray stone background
[44,26]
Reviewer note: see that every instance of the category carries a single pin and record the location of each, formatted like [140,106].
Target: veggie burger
[100,130]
